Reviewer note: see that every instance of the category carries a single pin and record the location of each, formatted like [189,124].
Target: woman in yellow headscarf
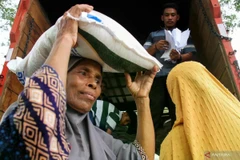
[207,122]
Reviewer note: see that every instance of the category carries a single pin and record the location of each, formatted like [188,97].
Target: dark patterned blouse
[36,128]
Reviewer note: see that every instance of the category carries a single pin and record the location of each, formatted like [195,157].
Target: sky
[4,36]
[236,42]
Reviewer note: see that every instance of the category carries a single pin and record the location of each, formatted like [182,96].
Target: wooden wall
[33,24]
[211,51]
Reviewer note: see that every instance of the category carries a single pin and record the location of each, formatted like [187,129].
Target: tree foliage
[7,14]
[235,3]
[230,16]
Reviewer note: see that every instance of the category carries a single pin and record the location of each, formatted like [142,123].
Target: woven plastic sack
[100,38]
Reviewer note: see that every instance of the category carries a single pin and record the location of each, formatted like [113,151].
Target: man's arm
[187,57]
[159,45]
[109,131]
[152,49]
[176,56]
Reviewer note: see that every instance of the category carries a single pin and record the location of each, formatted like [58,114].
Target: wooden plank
[23,44]
[218,64]
[222,70]
[228,82]
[201,22]
[216,59]
[12,86]
[196,19]
[8,99]
[211,49]
[9,93]
[1,113]
[18,52]
[205,30]
[193,25]
[205,33]
[34,31]
[203,41]
[205,36]
[39,16]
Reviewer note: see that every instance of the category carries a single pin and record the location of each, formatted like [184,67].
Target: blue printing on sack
[21,77]
[94,18]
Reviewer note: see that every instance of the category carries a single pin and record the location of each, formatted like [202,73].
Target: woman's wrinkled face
[84,85]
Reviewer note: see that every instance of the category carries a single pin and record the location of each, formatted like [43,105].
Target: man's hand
[68,27]
[175,55]
[161,45]
[142,83]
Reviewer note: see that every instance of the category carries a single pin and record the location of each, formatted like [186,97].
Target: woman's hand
[68,27]
[142,83]
[65,40]
[140,89]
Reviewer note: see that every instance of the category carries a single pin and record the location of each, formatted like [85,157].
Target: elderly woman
[50,118]
[208,117]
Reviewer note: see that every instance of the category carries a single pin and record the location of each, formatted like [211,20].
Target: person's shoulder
[158,31]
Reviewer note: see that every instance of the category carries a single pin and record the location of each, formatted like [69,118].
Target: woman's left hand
[142,83]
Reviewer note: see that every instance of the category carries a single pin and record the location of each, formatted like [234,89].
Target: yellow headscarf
[207,116]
